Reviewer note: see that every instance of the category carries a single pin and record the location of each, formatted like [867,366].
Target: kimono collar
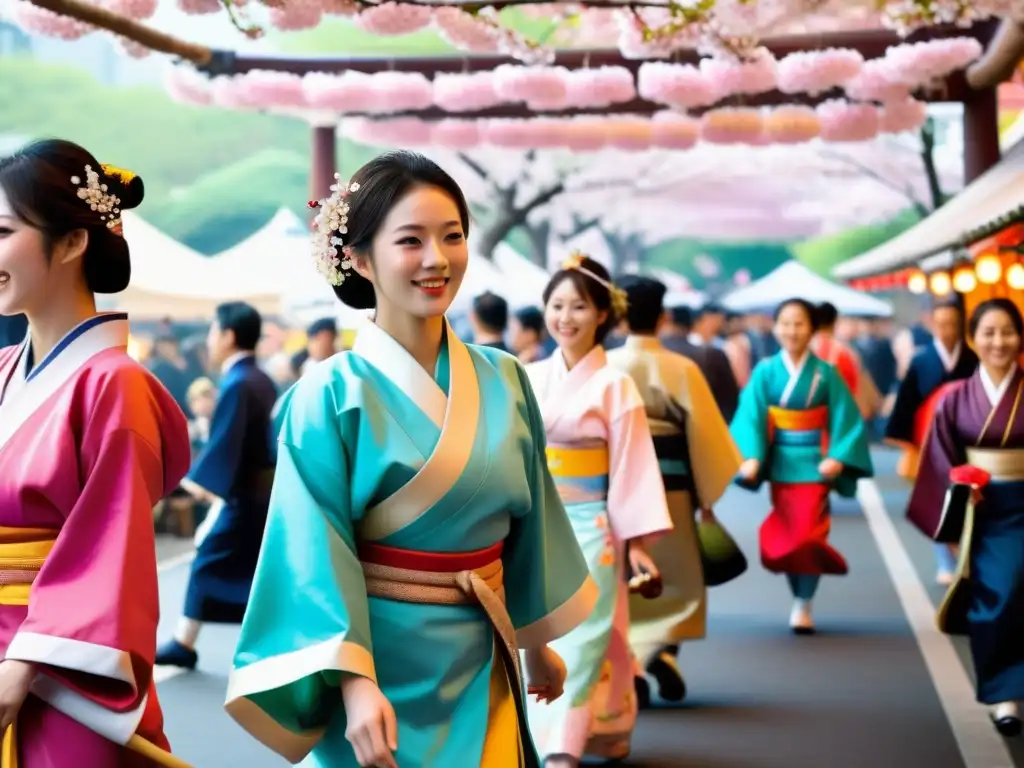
[238,357]
[794,367]
[383,352]
[641,342]
[593,360]
[949,359]
[993,392]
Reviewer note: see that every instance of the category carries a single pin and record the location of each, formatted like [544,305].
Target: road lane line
[980,745]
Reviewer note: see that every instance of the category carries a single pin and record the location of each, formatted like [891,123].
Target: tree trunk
[540,235]
[928,158]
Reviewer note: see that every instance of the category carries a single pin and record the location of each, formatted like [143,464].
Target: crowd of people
[444,553]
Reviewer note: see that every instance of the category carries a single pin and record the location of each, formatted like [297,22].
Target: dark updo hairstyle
[809,309]
[996,305]
[37,183]
[588,288]
[383,182]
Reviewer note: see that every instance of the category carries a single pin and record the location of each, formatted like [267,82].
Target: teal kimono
[790,418]
[374,453]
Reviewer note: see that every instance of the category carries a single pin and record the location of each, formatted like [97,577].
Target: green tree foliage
[680,256]
[213,176]
[823,254]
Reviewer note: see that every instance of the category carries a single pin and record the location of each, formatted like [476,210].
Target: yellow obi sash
[22,554]
[1005,465]
[807,421]
[580,473]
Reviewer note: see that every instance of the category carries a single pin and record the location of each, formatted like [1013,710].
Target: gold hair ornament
[332,257]
[618,298]
[100,199]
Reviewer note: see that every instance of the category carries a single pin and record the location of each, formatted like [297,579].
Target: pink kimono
[89,443]
[601,455]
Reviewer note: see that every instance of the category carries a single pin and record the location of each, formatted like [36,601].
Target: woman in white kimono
[601,453]
[415,540]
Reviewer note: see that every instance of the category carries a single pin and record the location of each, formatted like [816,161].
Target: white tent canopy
[998,191]
[794,280]
[276,260]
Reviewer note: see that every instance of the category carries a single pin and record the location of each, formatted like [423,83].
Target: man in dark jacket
[712,361]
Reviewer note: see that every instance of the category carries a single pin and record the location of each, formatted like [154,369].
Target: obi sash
[580,472]
[1004,465]
[22,554]
[808,427]
[452,578]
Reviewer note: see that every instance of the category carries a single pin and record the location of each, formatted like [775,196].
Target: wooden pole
[981,133]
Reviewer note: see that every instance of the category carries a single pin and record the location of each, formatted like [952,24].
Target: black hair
[708,309]
[36,180]
[323,324]
[682,316]
[588,288]
[996,305]
[383,182]
[531,319]
[810,310]
[826,315]
[243,320]
[947,304]
[646,302]
[492,311]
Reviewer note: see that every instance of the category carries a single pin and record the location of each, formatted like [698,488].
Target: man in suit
[234,473]
[489,320]
[713,362]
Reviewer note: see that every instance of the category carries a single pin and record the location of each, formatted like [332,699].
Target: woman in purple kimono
[976,450]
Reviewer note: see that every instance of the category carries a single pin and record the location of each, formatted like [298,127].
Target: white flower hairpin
[99,198]
[330,254]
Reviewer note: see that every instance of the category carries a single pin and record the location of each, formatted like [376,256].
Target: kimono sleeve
[217,466]
[307,620]
[637,505]
[94,607]
[847,434]
[900,427]
[749,426]
[548,589]
[942,451]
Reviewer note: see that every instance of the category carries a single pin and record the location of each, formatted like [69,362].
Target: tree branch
[871,173]
[129,29]
[474,166]
[579,226]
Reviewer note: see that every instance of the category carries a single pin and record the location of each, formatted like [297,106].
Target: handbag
[721,558]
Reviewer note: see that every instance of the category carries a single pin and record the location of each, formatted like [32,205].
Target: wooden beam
[872,44]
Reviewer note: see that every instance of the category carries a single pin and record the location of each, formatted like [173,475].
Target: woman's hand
[640,560]
[15,679]
[372,726]
[749,469]
[545,674]
[830,468]
[707,515]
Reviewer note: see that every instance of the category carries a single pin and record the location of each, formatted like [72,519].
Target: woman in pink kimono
[89,443]
[601,455]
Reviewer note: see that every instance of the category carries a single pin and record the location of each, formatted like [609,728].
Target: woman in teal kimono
[799,428]
[415,539]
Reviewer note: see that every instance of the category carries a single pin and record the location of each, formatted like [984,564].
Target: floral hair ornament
[619,298]
[332,257]
[99,198]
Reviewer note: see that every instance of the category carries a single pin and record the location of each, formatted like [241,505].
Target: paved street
[860,694]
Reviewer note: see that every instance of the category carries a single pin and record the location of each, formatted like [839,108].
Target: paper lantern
[964,279]
[917,282]
[940,283]
[989,269]
[1015,277]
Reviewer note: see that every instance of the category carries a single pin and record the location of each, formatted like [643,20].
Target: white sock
[1006,709]
[188,632]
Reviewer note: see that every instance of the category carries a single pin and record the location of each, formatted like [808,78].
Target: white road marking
[980,745]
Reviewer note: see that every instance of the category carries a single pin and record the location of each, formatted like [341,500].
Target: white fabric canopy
[996,192]
[793,280]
